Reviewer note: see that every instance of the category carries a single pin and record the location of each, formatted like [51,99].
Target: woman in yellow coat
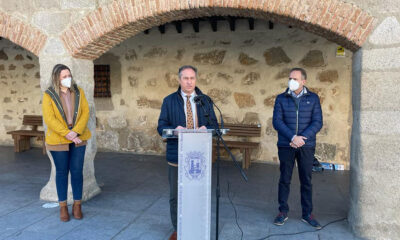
[66,113]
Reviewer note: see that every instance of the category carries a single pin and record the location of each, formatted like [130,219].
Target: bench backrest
[243,130]
[32,120]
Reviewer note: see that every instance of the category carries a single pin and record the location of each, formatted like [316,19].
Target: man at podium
[187,108]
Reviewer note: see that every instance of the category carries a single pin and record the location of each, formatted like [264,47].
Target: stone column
[82,71]
[375,146]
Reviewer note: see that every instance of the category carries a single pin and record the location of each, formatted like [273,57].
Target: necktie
[189,113]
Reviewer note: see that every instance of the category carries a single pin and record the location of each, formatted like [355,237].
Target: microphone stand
[219,139]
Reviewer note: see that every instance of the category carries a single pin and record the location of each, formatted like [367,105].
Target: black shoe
[280,219]
[312,221]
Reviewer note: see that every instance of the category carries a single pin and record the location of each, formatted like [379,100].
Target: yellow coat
[57,128]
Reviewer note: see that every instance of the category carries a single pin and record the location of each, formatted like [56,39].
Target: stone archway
[100,30]
[335,20]
[21,45]
[22,34]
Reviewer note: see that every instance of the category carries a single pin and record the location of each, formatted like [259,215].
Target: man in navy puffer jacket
[175,112]
[297,119]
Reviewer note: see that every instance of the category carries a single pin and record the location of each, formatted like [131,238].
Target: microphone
[197,99]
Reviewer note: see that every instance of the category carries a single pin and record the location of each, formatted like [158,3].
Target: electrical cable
[275,234]
[236,214]
[298,233]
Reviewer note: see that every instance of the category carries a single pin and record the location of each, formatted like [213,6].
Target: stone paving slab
[134,201]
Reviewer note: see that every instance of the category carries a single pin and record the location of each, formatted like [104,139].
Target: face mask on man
[66,82]
[293,84]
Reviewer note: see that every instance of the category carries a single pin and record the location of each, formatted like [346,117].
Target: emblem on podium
[195,165]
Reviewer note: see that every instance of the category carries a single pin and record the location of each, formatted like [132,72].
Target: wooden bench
[244,131]
[22,138]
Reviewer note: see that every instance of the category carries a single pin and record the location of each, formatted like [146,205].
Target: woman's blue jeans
[65,162]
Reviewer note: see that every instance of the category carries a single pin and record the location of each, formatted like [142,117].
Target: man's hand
[203,127]
[299,141]
[293,145]
[178,127]
[71,135]
[77,140]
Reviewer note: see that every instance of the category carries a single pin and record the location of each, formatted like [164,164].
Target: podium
[194,181]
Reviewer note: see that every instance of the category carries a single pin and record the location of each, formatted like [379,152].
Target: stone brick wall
[375,136]
[242,71]
[88,29]
[36,24]
[60,31]
[19,87]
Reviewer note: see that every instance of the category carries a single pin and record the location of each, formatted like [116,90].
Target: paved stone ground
[134,201]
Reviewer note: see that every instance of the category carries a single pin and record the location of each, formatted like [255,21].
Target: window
[102,81]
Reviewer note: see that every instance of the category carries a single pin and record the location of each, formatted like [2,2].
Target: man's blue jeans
[65,162]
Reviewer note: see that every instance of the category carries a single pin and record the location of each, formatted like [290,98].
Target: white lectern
[194,182]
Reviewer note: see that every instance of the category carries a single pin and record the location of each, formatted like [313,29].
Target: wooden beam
[161,28]
[196,25]
[178,26]
[251,23]
[214,23]
[270,25]
[232,23]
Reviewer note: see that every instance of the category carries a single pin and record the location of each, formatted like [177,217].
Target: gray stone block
[388,32]
[379,91]
[374,195]
[380,123]
[47,4]
[76,4]
[380,154]
[54,46]
[104,2]
[51,22]
[378,7]
[16,5]
[381,59]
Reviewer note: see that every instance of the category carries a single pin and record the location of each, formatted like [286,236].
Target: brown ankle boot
[76,210]
[64,215]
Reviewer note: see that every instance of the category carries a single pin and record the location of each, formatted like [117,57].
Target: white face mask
[293,84]
[66,82]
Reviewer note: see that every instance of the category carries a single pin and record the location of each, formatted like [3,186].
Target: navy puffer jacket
[302,120]
[173,115]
